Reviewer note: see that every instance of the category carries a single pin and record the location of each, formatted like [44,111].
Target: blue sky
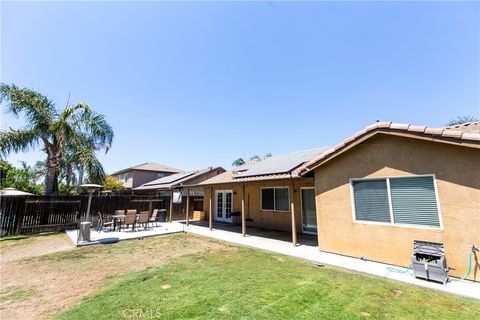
[195,84]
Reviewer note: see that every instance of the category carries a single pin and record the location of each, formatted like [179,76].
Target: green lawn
[252,284]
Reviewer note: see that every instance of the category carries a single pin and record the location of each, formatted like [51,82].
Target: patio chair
[153,218]
[131,219]
[102,223]
[144,218]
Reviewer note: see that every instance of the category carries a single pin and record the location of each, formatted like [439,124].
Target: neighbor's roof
[467,134]
[149,166]
[468,127]
[174,180]
[282,166]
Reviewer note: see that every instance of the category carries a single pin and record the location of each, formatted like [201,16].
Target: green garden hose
[392,269]
[470,257]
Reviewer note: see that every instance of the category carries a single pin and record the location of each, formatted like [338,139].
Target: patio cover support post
[150,206]
[170,207]
[188,206]
[244,227]
[210,213]
[292,210]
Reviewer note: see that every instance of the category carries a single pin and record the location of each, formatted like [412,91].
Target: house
[180,188]
[390,184]
[268,193]
[135,176]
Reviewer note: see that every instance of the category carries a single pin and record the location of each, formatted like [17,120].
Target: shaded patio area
[302,239]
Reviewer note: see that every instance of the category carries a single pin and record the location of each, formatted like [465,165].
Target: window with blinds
[400,200]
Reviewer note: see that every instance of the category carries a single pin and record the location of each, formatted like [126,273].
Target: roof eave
[368,133]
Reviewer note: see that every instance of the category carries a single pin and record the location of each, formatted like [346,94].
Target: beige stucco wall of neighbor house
[275,220]
[457,171]
[142,176]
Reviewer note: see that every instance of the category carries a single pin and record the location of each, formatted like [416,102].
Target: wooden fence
[35,214]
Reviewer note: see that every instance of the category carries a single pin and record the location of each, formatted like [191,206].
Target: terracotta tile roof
[467,127]
[149,166]
[463,133]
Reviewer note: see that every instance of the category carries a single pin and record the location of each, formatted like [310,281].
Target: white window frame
[392,220]
[274,204]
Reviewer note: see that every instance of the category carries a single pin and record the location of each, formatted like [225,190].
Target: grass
[15,293]
[251,284]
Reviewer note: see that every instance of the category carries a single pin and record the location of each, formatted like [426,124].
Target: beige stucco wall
[457,171]
[276,220]
[138,177]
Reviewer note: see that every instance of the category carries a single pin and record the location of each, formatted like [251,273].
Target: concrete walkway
[107,236]
[311,253]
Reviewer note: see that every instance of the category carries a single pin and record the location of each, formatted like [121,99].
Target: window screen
[413,201]
[371,200]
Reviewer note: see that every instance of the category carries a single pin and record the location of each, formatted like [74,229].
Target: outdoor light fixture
[84,230]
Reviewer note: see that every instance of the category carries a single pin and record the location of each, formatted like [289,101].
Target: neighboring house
[181,184]
[271,192]
[391,184]
[137,175]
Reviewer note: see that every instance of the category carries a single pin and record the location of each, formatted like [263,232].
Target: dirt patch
[27,247]
[61,279]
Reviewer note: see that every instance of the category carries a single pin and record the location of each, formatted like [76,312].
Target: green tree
[23,178]
[239,162]
[5,168]
[462,119]
[111,183]
[52,130]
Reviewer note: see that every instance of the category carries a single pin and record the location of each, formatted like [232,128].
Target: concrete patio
[106,235]
[280,242]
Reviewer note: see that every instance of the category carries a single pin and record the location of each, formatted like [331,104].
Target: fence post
[19,217]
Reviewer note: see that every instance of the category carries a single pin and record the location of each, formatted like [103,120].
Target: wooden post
[210,213]
[150,207]
[244,225]
[188,206]
[171,207]
[292,210]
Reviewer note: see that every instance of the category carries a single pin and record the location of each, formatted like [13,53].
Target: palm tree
[239,162]
[47,127]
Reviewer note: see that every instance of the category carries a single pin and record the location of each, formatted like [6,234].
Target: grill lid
[430,248]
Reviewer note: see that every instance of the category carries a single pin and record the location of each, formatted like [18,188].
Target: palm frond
[39,111]
[92,165]
[95,126]
[17,140]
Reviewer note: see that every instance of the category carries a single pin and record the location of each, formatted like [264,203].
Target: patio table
[115,218]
